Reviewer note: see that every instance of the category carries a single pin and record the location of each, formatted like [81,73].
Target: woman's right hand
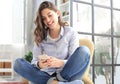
[43,61]
[42,64]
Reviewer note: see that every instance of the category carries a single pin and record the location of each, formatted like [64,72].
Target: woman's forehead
[46,11]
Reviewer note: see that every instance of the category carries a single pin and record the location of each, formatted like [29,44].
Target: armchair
[90,45]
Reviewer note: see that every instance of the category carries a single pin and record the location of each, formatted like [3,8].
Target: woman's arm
[73,43]
[37,50]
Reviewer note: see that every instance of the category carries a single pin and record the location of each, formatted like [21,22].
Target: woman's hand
[55,62]
[42,64]
[51,62]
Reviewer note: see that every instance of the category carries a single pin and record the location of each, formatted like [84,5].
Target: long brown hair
[40,28]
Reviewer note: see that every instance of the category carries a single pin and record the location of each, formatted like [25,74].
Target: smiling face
[50,18]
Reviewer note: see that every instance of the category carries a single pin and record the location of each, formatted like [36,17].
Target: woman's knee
[84,51]
[17,63]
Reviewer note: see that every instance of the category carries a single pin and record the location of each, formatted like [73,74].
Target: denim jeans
[73,69]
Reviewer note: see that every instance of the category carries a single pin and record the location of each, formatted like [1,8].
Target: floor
[10,83]
[9,80]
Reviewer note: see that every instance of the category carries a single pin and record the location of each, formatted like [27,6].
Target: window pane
[117,50]
[102,21]
[12,21]
[102,50]
[6,21]
[90,73]
[116,3]
[18,21]
[82,17]
[103,75]
[85,36]
[116,22]
[85,0]
[102,2]
[117,75]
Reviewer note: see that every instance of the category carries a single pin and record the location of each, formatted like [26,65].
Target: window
[99,20]
[12,22]
[11,35]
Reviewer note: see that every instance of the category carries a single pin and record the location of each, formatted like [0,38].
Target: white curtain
[12,21]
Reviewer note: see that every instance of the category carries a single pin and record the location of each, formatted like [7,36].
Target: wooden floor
[8,80]
[10,83]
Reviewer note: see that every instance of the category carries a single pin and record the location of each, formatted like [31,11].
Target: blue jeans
[73,69]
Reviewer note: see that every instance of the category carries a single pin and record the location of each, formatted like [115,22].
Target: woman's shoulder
[69,29]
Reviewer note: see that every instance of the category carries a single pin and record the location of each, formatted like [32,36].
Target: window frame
[93,34]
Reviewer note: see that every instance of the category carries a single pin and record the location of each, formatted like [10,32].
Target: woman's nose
[47,19]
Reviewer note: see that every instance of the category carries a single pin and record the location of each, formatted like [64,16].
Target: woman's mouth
[50,23]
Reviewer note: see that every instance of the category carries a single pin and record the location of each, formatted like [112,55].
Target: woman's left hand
[55,62]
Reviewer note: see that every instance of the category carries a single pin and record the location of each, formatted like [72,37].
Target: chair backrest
[90,45]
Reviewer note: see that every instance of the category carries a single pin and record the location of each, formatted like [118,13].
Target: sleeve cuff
[35,64]
[65,61]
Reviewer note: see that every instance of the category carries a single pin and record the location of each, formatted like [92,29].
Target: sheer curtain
[12,22]
[6,21]
[12,29]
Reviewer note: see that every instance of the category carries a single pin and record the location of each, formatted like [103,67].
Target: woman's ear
[58,13]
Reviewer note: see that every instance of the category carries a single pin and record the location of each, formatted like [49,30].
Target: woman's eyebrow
[46,14]
[49,13]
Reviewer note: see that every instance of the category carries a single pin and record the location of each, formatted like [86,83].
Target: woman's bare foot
[54,82]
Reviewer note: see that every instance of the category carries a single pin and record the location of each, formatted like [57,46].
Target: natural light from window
[6,21]
[12,22]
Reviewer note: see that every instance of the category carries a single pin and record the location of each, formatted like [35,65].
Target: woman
[57,57]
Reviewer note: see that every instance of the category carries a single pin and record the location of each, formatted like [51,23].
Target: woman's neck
[54,33]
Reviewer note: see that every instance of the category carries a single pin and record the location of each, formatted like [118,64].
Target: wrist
[38,64]
[62,63]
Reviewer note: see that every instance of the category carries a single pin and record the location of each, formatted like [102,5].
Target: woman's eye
[43,18]
[49,15]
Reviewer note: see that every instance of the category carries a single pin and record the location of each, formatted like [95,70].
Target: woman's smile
[50,23]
